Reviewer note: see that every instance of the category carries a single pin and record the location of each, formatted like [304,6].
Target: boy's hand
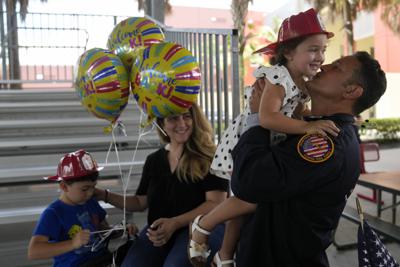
[81,238]
[322,127]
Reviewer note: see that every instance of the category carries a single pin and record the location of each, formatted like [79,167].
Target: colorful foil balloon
[101,82]
[132,33]
[165,79]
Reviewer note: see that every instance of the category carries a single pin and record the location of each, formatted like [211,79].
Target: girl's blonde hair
[198,151]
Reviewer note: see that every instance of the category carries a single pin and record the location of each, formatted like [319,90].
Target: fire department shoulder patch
[315,148]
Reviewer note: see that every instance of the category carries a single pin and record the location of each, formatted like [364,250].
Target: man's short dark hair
[373,80]
[91,177]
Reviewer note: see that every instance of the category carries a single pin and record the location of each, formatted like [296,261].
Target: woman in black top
[175,187]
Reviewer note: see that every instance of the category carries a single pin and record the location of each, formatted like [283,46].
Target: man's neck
[327,109]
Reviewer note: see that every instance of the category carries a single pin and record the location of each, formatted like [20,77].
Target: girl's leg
[228,209]
[142,253]
[231,237]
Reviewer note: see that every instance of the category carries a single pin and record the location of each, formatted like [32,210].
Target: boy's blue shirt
[60,222]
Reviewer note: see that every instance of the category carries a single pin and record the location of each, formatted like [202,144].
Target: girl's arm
[270,117]
[133,202]
[269,113]
[41,248]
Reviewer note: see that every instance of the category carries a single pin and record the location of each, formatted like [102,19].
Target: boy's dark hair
[373,80]
[283,48]
[91,177]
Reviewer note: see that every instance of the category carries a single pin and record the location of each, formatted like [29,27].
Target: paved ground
[347,232]
[14,237]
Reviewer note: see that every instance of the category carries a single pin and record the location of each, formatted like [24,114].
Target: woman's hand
[99,194]
[161,231]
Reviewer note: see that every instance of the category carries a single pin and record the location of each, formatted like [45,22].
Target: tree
[348,10]
[391,15]
[12,36]
[239,10]
[149,8]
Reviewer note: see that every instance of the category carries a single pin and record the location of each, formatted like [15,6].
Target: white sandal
[218,263]
[198,253]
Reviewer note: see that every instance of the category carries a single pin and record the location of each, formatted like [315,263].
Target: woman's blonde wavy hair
[198,151]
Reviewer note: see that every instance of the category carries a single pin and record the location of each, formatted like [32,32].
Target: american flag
[371,251]
[316,146]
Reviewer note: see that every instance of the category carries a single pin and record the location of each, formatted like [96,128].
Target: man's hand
[81,238]
[322,127]
[161,231]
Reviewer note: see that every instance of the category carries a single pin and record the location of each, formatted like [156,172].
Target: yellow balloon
[132,33]
[101,82]
[165,79]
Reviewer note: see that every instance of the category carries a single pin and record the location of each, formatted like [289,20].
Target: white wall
[389,104]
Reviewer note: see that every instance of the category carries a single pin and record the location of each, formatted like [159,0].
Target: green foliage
[381,129]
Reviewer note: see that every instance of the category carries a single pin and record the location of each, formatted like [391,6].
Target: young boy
[65,228]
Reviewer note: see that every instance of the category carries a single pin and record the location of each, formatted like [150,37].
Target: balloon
[165,79]
[132,33]
[101,82]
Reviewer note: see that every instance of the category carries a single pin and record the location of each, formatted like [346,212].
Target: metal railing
[217,53]
[50,44]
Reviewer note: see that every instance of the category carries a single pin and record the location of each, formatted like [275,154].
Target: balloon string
[124,183]
[141,133]
[159,128]
[105,231]
[104,237]
[116,151]
[108,152]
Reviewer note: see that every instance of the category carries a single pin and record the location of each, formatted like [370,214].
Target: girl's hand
[161,231]
[255,99]
[81,238]
[322,127]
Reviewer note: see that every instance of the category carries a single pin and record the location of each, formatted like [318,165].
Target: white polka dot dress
[222,163]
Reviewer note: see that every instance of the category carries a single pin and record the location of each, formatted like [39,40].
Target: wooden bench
[369,151]
[380,181]
[383,181]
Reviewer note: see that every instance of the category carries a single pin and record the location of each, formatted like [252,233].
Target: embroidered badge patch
[315,148]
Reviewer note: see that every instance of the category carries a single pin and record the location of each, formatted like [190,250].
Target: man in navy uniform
[301,185]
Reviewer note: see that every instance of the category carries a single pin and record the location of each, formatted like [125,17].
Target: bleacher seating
[36,129]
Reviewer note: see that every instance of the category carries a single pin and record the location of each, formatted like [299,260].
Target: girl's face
[77,193]
[307,58]
[179,128]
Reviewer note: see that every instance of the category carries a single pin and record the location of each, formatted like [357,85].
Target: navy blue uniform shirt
[299,202]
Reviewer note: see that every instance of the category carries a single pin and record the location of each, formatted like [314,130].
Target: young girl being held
[296,56]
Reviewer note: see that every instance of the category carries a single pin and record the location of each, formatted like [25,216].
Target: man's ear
[353,91]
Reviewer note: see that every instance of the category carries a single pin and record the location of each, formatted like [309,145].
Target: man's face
[332,80]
